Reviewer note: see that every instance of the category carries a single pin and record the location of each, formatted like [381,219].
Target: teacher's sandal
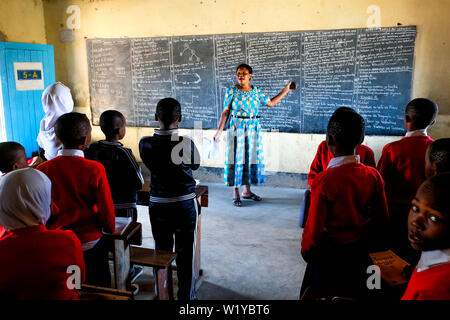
[237,202]
[253,196]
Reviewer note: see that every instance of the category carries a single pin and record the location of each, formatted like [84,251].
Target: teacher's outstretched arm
[223,120]
[281,95]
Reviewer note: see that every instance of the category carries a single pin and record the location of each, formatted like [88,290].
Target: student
[81,190]
[437,158]
[34,260]
[348,215]
[320,163]
[123,172]
[12,157]
[56,101]
[402,166]
[429,232]
[173,205]
[324,155]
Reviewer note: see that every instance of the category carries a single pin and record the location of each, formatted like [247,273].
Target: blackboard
[369,70]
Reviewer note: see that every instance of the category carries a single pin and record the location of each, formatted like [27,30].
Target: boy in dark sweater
[173,205]
[123,172]
[348,215]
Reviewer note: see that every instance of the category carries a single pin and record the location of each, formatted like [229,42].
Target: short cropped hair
[340,109]
[347,127]
[9,155]
[246,66]
[168,110]
[439,154]
[439,185]
[111,121]
[422,112]
[72,128]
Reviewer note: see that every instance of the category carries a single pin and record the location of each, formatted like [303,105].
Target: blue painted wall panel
[23,109]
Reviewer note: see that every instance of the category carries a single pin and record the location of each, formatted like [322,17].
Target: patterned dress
[244,158]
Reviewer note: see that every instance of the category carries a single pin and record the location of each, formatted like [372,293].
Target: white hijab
[56,101]
[25,199]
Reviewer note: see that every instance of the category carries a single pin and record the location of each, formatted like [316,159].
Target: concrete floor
[252,252]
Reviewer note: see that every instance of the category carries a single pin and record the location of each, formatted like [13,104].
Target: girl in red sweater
[34,261]
[429,232]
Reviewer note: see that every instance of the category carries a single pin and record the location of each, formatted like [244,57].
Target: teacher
[244,159]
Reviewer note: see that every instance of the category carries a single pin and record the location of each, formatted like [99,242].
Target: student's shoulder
[147,140]
[407,143]
[50,164]
[94,145]
[323,147]
[326,177]
[92,165]
[373,172]
[364,148]
[434,277]
[395,146]
[187,139]
[64,239]
[63,234]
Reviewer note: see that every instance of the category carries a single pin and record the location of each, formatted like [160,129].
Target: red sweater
[323,157]
[430,284]
[402,166]
[81,191]
[342,199]
[34,263]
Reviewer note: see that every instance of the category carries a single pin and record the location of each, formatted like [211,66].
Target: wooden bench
[125,254]
[125,230]
[161,262]
[89,292]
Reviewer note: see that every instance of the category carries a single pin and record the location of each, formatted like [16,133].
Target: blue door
[25,71]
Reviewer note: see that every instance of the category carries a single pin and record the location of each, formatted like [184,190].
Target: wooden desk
[202,196]
[125,229]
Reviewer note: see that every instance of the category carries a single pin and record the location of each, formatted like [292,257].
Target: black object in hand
[293,86]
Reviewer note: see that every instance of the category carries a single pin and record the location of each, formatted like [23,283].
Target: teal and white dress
[244,158]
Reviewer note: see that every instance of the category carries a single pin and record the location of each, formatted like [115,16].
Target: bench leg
[164,283]
[197,254]
[121,264]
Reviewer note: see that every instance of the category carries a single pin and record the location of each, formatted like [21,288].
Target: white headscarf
[56,101]
[25,199]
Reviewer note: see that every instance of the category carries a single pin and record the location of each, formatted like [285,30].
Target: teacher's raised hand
[282,93]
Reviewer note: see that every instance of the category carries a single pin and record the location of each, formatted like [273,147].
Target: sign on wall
[28,76]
